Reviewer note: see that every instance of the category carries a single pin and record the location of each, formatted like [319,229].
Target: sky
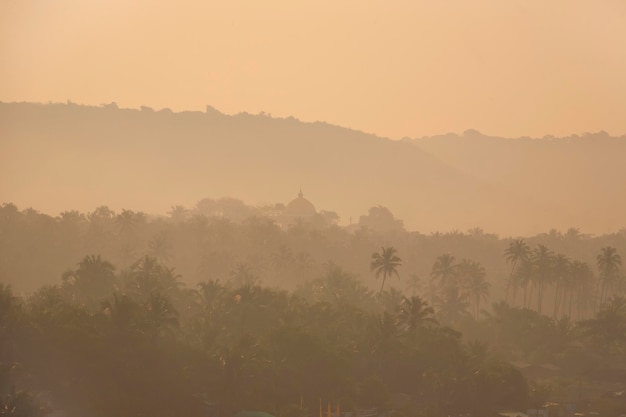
[393,68]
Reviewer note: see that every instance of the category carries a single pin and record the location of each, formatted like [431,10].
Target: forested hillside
[59,157]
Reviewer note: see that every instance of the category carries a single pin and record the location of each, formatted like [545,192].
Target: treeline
[151,159]
[140,342]
[558,274]
[127,314]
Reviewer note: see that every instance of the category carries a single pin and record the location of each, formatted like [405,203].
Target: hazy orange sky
[394,68]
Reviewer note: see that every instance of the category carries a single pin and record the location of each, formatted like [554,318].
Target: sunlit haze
[401,68]
[338,208]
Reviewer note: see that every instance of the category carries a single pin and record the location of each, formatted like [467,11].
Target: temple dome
[300,207]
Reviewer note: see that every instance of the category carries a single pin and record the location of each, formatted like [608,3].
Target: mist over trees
[146,159]
[144,297]
[231,305]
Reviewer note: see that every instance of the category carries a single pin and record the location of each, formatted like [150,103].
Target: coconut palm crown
[386,263]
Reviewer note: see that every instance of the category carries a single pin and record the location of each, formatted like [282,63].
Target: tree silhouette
[415,312]
[474,283]
[562,276]
[242,275]
[445,270]
[147,276]
[382,220]
[543,267]
[452,306]
[178,214]
[608,328]
[386,262]
[523,278]
[91,282]
[384,332]
[160,247]
[160,316]
[517,252]
[127,221]
[123,314]
[609,263]
[582,284]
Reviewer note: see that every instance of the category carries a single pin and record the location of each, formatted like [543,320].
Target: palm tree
[209,295]
[522,278]
[581,283]
[126,221]
[178,214]
[160,247]
[415,312]
[445,270]
[452,306]
[543,261]
[336,287]
[609,325]
[147,276]
[384,333]
[101,221]
[92,282]
[123,313]
[242,276]
[609,263]
[475,285]
[562,276]
[517,251]
[160,316]
[386,262]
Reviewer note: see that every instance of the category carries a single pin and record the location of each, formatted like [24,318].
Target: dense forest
[225,307]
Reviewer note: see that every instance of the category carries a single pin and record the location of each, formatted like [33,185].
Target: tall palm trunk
[600,300]
[581,308]
[383,284]
[558,298]
[508,284]
[530,295]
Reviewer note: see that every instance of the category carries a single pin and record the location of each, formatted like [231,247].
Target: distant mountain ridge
[59,157]
[585,174]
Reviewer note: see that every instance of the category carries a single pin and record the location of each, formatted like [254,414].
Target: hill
[59,157]
[584,175]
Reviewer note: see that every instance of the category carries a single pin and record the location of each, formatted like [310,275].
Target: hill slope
[585,175]
[59,157]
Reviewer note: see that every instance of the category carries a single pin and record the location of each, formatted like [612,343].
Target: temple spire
[300,193]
